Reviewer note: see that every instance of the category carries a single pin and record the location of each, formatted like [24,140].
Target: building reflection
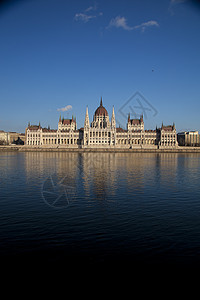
[166,170]
[107,176]
[99,174]
[62,166]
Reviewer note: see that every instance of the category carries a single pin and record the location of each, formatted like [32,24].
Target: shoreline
[104,150]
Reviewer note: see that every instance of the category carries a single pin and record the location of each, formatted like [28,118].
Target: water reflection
[136,204]
[101,175]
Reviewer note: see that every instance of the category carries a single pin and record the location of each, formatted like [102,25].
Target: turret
[113,123]
[87,121]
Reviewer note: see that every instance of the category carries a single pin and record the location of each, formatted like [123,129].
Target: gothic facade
[101,133]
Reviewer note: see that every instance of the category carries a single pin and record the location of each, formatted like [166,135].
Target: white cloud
[144,25]
[121,22]
[91,8]
[86,15]
[83,17]
[66,108]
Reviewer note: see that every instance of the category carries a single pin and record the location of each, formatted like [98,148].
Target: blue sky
[58,56]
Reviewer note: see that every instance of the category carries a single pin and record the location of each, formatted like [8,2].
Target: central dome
[101,111]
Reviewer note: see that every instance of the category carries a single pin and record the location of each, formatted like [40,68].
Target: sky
[57,57]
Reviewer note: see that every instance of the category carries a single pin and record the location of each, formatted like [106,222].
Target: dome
[101,111]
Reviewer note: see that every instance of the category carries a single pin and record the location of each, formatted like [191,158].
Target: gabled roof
[167,128]
[135,121]
[33,127]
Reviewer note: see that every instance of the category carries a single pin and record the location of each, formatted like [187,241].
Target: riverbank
[116,150]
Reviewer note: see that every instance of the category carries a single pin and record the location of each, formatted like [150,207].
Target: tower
[87,121]
[113,123]
[86,128]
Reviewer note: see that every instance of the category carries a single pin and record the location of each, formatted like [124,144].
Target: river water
[140,208]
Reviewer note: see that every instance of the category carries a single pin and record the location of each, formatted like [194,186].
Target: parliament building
[101,133]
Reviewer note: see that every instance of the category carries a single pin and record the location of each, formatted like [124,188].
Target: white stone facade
[167,137]
[102,133]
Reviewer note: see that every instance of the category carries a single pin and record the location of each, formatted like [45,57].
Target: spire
[128,117]
[101,104]
[60,118]
[87,112]
[113,123]
[87,121]
[113,112]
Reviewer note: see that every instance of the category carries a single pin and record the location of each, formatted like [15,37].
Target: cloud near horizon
[66,108]
[121,22]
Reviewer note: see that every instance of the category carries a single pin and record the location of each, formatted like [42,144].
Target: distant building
[8,138]
[189,138]
[101,133]
[16,138]
[4,138]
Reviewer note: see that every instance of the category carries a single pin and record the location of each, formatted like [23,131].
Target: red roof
[167,128]
[67,121]
[101,111]
[119,129]
[48,130]
[135,122]
[33,127]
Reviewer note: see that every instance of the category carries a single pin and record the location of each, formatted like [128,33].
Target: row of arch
[54,142]
[136,141]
